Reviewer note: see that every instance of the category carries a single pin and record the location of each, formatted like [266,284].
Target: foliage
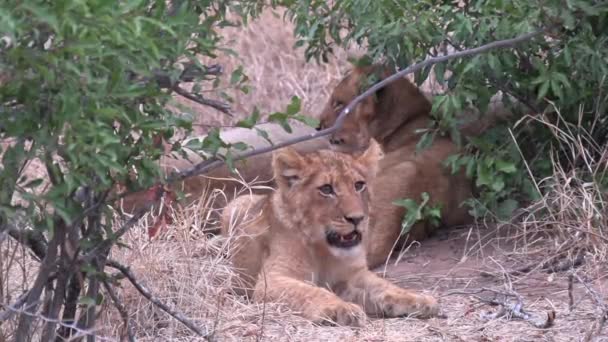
[418,212]
[84,89]
[563,70]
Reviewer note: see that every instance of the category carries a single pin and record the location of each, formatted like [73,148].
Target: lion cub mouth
[349,240]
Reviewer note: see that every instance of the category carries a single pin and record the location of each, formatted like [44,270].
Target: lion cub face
[324,196]
[354,136]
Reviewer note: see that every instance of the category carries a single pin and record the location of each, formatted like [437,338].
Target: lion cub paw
[418,305]
[342,313]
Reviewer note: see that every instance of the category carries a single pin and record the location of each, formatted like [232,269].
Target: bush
[85,89]
[560,75]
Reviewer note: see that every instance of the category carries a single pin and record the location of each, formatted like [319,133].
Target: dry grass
[185,270]
[276,72]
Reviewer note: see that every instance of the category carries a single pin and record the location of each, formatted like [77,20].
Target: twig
[7,314]
[107,244]
[602,317]
[46,268]
[221,106]
[554,264]
[570,292]
[121,309]
[509,309]
[190,73]
[33,314]
[17,228]
[146,293]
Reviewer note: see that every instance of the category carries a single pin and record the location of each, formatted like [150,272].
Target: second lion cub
[303,244]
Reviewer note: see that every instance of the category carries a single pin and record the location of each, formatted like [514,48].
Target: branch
[215,162]
[8,313]
[33,239]
[189,74]
[597,298]
[146,293]
[509,309]
[121,309]
[221,106]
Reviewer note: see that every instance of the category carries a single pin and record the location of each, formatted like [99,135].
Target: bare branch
[121,310]
[47,267]
[146,293]
[33,239]
[221,106]
[7,314]
[189,74]
[600,302]
[508,308]
[215,162]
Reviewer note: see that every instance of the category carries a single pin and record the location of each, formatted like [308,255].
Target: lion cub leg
[312,302]
[379,297]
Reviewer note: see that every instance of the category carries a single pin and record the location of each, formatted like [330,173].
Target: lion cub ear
[287,166]
[371,157]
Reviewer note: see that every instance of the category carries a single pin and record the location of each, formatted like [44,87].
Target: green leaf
[505,209]
[544,88]
[425,141]
[264,135]
[281,119]
[484,175]
[498,184]
[250,121]
[308,120]
[505,166]
[294,106]
[87,302]
[236,75]
[241,146]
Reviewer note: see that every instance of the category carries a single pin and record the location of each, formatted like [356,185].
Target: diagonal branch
[8,313]
[221,106]
[146,293]
[191,72]
[121,310]
[215,162]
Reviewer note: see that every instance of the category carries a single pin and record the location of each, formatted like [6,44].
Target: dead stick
[146,293]
[215,162]
[603,316]
[121,309]
[570,292]
[507,308]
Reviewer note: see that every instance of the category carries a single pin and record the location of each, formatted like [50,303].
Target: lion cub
[304,245]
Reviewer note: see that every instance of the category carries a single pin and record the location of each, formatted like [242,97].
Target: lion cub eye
[338,104]
[359,186]
[326,190]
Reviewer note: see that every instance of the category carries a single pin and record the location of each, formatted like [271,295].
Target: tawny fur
[281,249]
[392,117]
[253,169]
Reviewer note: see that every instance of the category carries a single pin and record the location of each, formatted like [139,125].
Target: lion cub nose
[354,219]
